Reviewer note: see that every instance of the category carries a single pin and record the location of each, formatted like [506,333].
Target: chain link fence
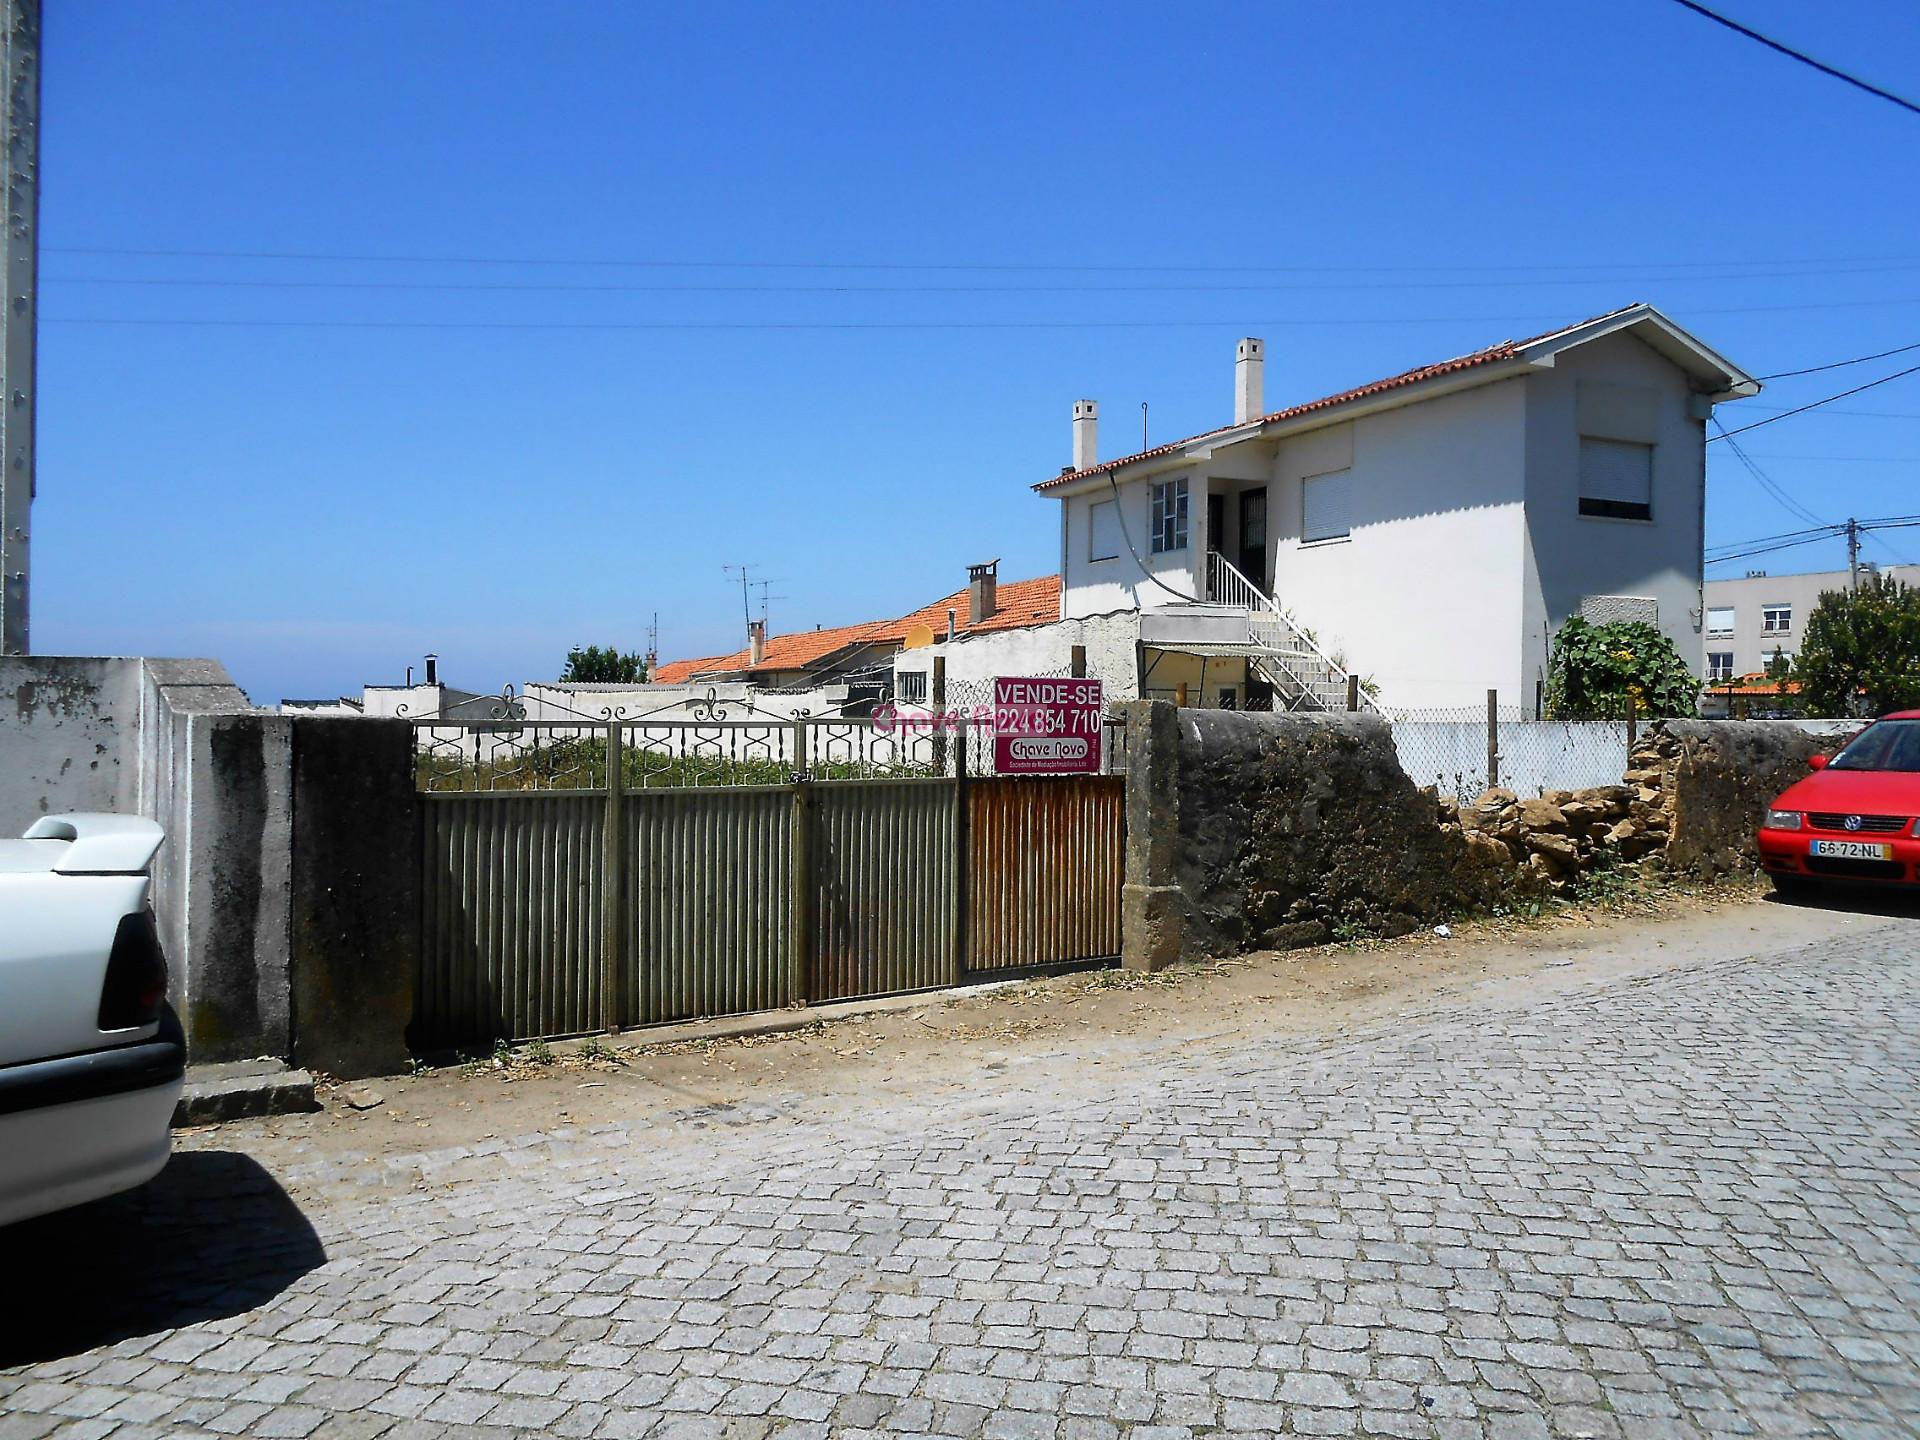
[1464,750]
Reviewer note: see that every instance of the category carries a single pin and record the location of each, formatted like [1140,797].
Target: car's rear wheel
[1795,887]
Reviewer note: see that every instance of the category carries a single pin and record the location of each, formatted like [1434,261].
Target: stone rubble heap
[1559,835]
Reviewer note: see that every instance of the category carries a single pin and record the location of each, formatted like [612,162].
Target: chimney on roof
[433,669]
[756,642]
[1086,434]
[1249,381]
[983,586]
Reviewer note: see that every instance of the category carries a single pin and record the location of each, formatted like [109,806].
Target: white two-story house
[1428,532]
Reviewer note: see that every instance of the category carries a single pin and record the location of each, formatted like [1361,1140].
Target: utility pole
[20,316]
[1853,554]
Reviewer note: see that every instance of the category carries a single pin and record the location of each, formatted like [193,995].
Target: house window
[1616,479]
[1720,620]
[1776,619]
[1719,665]
[913,687]
[1326,506]
[1103,531]
[1169,519]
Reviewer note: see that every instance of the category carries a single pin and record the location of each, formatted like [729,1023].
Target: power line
[1767,483]
[1286,322]
[1768,545]
[1841,364]
[650,263]
[179,282]
[1800,55]
[1816,404]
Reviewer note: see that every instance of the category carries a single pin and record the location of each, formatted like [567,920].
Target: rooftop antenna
[765,586]
[1143,426]
[653,645]
[746,607]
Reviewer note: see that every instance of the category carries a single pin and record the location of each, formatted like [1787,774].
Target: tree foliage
[1861,652]
[1596,671]
[589,664]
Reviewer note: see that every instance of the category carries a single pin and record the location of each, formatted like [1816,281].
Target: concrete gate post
[1152,907]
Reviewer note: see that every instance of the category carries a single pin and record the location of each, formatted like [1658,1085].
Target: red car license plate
[1852,850]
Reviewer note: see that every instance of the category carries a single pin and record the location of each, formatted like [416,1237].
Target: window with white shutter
[1326,506]
[1616,479]
[1720,620]
[1103,530]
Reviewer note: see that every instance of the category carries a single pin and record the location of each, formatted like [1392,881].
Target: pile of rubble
[1564,832]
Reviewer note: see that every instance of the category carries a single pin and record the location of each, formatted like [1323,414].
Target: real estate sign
[1046,726]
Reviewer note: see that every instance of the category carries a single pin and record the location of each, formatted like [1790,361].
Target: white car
[91,1055]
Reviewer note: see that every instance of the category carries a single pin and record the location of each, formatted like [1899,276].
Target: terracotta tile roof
[1018,603]
[1505,350]
[784,652]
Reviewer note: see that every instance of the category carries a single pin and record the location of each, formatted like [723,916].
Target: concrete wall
[1571,555]
[69,732]
[354,921]
[176,740]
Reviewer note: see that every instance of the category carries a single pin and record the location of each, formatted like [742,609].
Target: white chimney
[1249,381]
[756,642]
[1086,434]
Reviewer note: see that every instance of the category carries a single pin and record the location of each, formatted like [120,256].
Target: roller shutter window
[1616,479]
[1103,531]
[1326,506]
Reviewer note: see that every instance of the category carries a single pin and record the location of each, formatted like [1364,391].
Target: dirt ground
[932,1053]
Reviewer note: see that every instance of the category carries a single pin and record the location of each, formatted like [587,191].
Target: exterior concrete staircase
[1302,675]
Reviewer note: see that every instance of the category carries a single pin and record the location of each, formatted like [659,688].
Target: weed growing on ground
[538,1052]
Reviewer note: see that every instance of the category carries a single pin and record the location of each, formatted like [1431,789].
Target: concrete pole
[19,320]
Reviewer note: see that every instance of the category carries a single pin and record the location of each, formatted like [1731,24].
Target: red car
[1853,818]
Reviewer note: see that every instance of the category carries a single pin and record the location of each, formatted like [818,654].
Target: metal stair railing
[1296,667]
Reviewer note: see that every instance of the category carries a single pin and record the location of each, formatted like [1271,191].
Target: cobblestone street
[1686,1203]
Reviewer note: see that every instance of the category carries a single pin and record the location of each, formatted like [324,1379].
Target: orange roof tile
[1018,603]
[1505,350]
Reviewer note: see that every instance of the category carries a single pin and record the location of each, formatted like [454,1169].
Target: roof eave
[1719,378]
[1281,425]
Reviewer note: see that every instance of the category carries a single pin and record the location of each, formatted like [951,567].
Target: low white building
[1427,532]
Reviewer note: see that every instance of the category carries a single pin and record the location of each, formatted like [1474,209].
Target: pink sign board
[1046,726]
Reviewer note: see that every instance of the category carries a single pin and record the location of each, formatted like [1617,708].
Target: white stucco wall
[1099,587]
[1573,555]
[1425,596]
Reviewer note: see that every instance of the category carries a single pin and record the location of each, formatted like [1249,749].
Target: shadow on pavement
[1897,904]
[212,1235]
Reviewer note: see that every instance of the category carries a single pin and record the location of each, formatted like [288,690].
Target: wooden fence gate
[564,892]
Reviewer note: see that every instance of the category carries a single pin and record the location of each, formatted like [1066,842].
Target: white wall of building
[974,661]
[1424,597]
[1573,556]
[1100,587]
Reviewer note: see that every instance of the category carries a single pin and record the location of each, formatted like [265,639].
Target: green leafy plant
[1597,672]
[1861,654]
[590,664]
[538,1052]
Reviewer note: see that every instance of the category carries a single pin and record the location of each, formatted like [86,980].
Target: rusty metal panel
[885,886]
[707,904]
[1045,862]
[511,912]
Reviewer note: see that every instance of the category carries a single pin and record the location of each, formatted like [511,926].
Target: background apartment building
[1749,618]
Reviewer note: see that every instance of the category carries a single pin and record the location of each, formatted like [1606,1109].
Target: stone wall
[1250,831]
[1704,785]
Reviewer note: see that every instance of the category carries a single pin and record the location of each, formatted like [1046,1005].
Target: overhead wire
[1800,55]
[1816,404]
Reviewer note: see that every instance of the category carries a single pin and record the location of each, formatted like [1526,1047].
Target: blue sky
[425,441]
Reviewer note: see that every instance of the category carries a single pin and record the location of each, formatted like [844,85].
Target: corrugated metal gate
[730,898]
